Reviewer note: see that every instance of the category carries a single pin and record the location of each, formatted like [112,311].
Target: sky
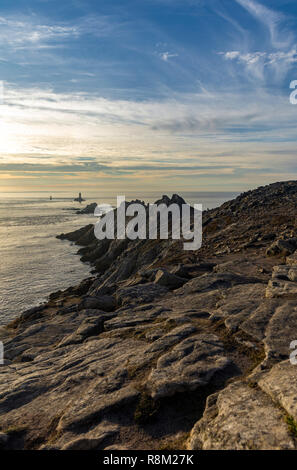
[147,95]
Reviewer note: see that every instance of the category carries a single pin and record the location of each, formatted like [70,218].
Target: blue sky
[147,94]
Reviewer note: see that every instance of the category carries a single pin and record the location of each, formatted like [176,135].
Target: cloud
[86,115]
[27,33]
[271,19]
[47,133]
[95,167]
[249,58]
[289,57]
[256,62]
[167,55]
[31,32]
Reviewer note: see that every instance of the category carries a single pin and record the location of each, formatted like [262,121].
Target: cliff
[162,348]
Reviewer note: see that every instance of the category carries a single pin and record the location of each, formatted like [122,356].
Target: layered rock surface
[164,348]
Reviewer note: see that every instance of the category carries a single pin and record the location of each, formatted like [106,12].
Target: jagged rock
[215,281]
[188,271]
[292,259]
[83,236]
[105,303]
[132,317]
[176,199]
[143,293]
[32,312]
[191,364]
[282,247]
[89,209]
[241,418]
[279,288]
[171,338]
[91,326]
[285,272]
[166,279]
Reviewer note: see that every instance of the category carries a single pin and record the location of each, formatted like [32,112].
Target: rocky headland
[89,209]
[164,348]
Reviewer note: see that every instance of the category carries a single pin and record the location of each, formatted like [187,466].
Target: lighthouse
[79,198]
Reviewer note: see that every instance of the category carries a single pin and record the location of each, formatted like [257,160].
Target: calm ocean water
[33,262]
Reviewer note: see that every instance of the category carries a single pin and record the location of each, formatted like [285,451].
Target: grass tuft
[292,425]
[146,409]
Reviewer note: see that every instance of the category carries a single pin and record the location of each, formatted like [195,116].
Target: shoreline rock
[161,343]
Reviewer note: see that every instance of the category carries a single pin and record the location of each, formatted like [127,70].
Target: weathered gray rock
[280,331]
[256,323]
[215,281]
[191,364]
[280,383]
[143,293]
[171,338]
[95,439]
[240,303]
[241,418]
[131,317]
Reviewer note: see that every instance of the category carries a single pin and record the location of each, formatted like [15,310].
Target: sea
[33,262]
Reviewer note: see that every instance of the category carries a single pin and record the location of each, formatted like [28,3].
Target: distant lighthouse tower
[79,198]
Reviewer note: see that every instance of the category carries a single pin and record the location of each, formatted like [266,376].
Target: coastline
[113,361]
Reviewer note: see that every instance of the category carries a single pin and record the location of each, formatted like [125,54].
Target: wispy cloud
[140,137]
[167,55]
[271,19]
[256,62]
[26,33]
